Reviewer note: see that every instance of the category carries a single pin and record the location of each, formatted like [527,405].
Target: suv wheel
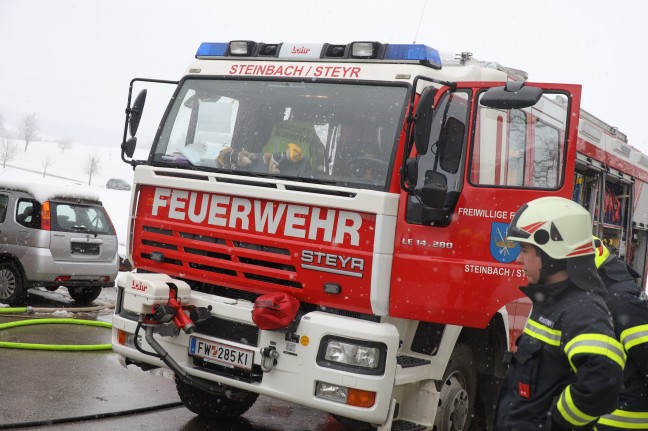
[12,289]
[84,294]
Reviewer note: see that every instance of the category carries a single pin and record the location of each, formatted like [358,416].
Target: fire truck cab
[373,183]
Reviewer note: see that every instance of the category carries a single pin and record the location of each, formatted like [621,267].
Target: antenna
[420,21]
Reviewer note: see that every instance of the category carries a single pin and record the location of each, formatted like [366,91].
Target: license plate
[220,353]
[85,248]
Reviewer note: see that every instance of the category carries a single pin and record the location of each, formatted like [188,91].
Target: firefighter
[630,315]
[568,367]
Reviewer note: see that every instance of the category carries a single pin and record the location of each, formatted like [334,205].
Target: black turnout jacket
[630,315]
[568,367]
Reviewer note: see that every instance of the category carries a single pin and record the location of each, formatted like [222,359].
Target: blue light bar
[210,49]
[414,52]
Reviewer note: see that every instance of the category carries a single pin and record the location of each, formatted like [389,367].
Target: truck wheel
[457,399]
[84,294]
[232,404]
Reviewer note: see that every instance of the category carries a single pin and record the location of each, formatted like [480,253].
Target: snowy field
[68,168]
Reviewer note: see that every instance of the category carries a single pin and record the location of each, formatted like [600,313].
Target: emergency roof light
[294,51]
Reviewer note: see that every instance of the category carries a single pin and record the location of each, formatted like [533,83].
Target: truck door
[488,153]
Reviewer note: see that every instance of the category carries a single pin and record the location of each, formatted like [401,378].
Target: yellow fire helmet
[602,252]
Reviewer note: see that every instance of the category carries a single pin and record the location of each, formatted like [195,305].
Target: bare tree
[28,129]
[46,163]
[92,166]
[64,144]
[8,150]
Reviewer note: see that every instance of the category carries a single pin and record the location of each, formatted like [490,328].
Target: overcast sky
[70,61]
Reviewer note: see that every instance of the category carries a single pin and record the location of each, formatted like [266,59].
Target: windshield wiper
[85,229]
[311,180]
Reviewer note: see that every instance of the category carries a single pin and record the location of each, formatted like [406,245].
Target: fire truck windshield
[336,133]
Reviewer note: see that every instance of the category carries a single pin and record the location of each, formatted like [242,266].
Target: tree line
[28,132]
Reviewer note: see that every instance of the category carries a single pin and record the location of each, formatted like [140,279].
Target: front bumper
[296,372]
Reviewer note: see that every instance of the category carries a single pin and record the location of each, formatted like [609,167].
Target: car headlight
[359,356]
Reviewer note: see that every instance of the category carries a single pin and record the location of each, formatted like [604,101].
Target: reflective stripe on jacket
[568,366]
[630,315]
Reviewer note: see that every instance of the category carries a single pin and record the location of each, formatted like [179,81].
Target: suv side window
[28,213]
[4,202]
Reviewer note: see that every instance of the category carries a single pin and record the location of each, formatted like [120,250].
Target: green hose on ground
[56,347]
[31,310]
[16,310]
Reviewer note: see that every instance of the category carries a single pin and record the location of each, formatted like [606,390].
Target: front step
[410,361]
[401,425]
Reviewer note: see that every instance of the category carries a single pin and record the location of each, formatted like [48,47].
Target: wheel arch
[7,257]
[489,345]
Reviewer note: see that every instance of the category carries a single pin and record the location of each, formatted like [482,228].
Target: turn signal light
[121,337]
[359,398]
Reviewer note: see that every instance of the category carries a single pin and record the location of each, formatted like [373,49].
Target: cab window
[520,147]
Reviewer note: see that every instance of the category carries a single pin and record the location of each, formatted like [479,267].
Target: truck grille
[85,248]
[229,330]
[204,255]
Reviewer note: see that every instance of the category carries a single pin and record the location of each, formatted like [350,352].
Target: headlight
[364,357]
[352,354]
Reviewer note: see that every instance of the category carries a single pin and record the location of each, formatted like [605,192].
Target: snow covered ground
[68,167]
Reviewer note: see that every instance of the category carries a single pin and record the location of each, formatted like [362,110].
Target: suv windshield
[67,217]
[336,133]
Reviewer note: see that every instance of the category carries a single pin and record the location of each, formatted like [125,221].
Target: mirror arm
[129,112]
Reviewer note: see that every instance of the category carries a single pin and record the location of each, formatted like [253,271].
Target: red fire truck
[372,185]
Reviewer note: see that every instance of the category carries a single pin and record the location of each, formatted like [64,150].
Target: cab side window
[521,147]
[28,213]
[4,202]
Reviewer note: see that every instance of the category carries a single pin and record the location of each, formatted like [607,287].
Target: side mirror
[128,147]
[136,112]
[514,95]
[411,171]
[452,135]
[423,125]
[434,193]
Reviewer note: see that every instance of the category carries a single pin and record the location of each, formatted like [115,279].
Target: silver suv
[52,237]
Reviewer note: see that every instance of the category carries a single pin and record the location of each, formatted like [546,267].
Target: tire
[232,404]
[84,294]
[51,288]
[12,287]
[457,400]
